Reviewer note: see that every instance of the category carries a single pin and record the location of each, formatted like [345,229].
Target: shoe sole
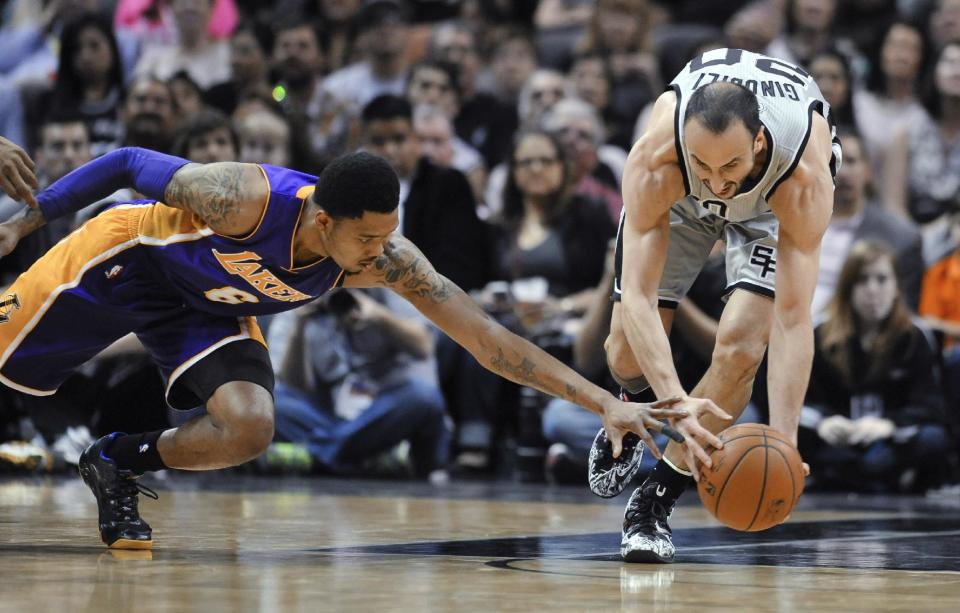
[645,557]
[131,544]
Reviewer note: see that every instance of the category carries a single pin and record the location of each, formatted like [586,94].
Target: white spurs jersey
[788,97]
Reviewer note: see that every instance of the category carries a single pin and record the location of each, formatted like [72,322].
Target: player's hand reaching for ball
[639,417]
[17,176]
[697,437]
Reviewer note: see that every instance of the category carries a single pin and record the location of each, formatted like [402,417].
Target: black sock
[136,452]
[673,482]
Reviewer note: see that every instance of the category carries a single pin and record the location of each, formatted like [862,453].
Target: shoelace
[126,496]
[646,512]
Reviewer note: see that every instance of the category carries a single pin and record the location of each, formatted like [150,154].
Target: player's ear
[758,142]
[323,219]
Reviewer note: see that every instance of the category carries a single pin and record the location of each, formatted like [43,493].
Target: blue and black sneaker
[116,492]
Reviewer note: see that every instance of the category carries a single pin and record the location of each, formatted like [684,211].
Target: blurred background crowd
[508,123]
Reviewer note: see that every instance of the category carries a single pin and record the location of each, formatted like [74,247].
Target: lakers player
[739,149]
[187,271]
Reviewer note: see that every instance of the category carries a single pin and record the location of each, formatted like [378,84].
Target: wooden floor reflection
[268,545]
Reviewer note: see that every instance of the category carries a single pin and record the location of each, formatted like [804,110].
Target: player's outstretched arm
[404,269]
[161,177]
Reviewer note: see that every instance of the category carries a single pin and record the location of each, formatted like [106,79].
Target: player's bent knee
[251,429]
[620,358]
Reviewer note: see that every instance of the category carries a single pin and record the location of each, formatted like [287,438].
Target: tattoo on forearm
[571,393]
[521,372]
[26,221]
[405,268]
[213,192]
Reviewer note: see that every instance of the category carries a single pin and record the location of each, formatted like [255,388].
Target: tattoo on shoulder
[523,372]
[403,267]
[214,193]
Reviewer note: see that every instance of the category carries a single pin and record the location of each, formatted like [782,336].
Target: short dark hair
[200,124]
[355,183]
[450,70]
[718,104]
[387,107]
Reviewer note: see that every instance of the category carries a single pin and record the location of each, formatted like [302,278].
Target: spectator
[808,29]
[207,137]
[89,81]
[385,31]
[437,210]
[482,121]
[620,30]
[753,28]
[443,147]
[298,62]
[345,389]
[873,418]
[892,99]
[595,168]
[206,59]
[513,63]
[944,22]
[558,24]
[940,308]
[148,115]
[831,70]
[187,96]
[546,230]
[64,144]
[265,138]
[250,48]
[925,156]
[857,216]
[338,19]
[593,82]
[542,90]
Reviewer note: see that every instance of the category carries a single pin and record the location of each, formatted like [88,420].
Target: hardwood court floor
[256,544]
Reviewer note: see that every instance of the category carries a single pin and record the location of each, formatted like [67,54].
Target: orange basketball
[755,480]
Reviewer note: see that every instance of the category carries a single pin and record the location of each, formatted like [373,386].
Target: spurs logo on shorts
[9,303]
[763,257]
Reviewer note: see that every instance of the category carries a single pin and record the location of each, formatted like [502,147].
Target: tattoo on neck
[404,268]
[521,372]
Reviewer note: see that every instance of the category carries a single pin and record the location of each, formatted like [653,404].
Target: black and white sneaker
[608,476]
[646,534]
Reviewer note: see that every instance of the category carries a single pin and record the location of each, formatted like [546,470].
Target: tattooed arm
[11,231]
[228,196]
[404,269]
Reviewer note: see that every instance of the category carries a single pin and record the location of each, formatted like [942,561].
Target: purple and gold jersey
[163,274]
[249,275]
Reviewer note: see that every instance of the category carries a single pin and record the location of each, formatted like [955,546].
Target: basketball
[755,480]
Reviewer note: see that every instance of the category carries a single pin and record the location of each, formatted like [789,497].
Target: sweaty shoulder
[657,145]
[804,203]
[817,157]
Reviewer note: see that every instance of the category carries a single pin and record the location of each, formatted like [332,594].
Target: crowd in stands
[508,123]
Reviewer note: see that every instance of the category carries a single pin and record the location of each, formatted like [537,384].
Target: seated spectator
[148,115]
[874,414]
[265,139]
[595,167]
[196,51]
[924,160]
[857,216]
[207,137]
[620,30]
[513,63]
[437,210]
[250,48]
[483,121]
[89,82]
[808,29]
[831,70]
[891,99]
[338,20]
[384,27]
[440,144]
[64,146]
[940,307]
[592,81]
[345,390]
[187,96]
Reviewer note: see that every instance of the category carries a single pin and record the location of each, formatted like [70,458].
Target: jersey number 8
[229,295]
